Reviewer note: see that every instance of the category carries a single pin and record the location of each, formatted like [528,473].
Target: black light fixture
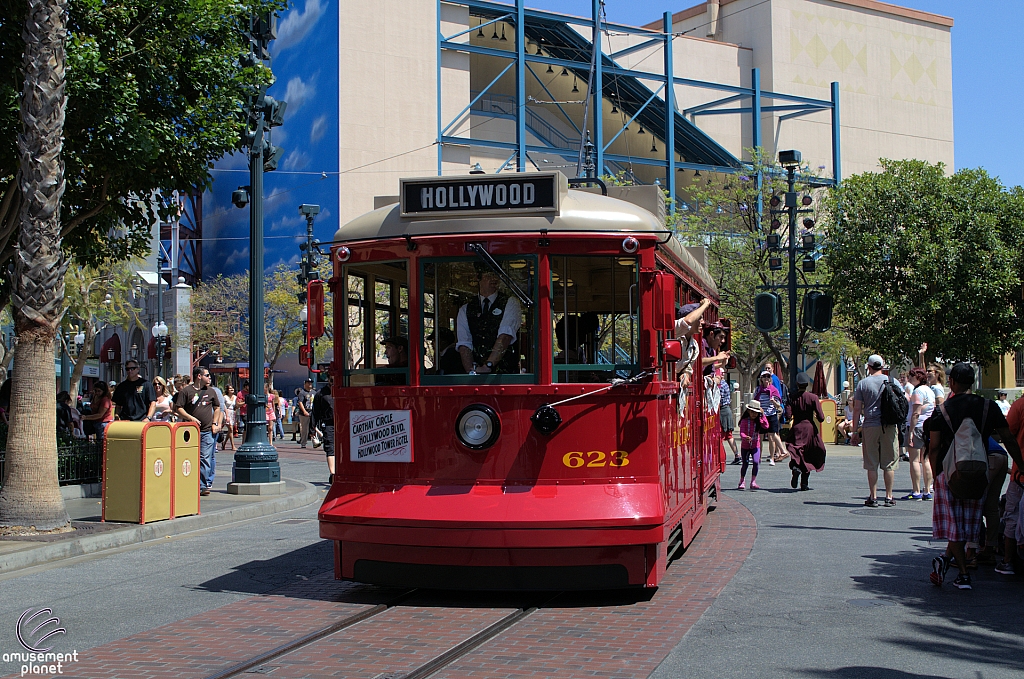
[133,353]
[807,240]
[540,52]
[774,202]
[808,223]
[654,147]
[574,87]
[776,224]
[775,263]
[806,200]
[773,241]
[808,264]
[564,71]
[641,130]
[696,174]
[495,36]
[503,39]
[480,30]
[615,109]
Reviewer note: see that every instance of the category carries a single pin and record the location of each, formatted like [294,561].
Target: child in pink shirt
[752,426]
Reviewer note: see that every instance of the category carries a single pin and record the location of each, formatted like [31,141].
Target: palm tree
[30,496]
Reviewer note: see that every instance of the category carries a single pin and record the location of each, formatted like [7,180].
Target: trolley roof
[578,212]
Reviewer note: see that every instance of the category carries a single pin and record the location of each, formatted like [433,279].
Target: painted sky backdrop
[307,78]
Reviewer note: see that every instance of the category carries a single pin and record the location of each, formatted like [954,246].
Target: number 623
[595,458]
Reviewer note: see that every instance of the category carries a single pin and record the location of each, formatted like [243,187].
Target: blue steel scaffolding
[561,45]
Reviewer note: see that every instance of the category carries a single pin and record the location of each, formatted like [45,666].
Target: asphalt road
[833,589]
[110,595]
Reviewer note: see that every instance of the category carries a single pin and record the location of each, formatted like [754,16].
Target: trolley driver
[487,327]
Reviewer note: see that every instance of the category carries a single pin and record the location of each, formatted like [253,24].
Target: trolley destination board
[523,193]
[380,435]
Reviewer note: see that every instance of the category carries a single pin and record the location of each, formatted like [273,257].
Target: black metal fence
[77,462]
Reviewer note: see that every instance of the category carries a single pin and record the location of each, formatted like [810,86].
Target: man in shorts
[879,446]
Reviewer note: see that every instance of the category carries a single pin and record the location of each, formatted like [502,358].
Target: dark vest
[484,329]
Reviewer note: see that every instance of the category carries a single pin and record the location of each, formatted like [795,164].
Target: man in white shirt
[487,327]
[1003,404]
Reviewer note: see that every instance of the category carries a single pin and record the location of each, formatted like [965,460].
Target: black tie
[484,305]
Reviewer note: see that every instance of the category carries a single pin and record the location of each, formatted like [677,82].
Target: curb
[91,544]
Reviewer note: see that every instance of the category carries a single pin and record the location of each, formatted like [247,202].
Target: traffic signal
[817,311]
[768,312]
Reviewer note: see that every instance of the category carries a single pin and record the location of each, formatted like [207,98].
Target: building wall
[894,68]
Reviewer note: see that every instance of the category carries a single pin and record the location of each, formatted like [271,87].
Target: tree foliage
[154,88]
[921,256]
[220,315]
[730,216]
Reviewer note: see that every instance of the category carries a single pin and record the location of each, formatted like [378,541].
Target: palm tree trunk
[30,496]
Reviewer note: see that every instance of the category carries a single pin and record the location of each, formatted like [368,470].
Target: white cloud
[296,24]
[298,93]
[296,160]
[318,129]
[237,257]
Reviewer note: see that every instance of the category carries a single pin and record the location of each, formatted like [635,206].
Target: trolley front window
[595,317]
[376,336]
[471,318]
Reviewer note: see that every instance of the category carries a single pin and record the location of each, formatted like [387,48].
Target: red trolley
[560,458]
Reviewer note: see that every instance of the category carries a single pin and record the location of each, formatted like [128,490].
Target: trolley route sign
[530,193]
[380,436]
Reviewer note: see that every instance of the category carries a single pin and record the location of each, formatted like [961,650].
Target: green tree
[921,256]
[220,315]
[96,297]
[153,93]
[730,216]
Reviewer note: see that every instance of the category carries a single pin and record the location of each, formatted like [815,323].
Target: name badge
[496,312]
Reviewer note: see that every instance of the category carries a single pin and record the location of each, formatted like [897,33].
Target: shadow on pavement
[978,626]
[261,577]
[868,673]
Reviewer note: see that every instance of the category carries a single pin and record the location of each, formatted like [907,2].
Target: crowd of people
[960,448]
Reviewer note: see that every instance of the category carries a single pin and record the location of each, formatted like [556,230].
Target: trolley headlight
[478,426]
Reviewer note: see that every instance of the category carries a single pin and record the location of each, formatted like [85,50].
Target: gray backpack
[966,461]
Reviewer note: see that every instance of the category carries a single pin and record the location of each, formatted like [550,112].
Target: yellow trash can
[137,472]
[828,427]
[185,460]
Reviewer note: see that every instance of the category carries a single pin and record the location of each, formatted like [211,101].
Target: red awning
[151,348]
[113,343]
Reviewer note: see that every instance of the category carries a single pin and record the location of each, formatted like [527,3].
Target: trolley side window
[473,316]
[595,317]
[376,336]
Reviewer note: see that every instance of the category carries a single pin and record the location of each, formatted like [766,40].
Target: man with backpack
[957,435]
[879,428]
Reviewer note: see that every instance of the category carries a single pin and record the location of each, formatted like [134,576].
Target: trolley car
[556,457]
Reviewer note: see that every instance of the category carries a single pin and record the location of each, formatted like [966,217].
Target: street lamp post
[256,459]
[304,319]
[791,161]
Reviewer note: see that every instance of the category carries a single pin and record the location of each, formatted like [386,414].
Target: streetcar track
[310,638]
[421,672]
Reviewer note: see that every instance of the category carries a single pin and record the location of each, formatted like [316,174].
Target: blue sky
[988,97]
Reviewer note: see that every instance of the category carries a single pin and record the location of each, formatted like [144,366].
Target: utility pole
[791,201]
[256,460]
[310,249]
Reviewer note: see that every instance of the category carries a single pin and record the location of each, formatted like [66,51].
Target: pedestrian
[771,406]
[879,441]
[198,403]
[230,400]
[305,405]
[271,410]
[133,396]
[280,409]
[954,519]
[101,410]
[922,405]
[1003,404]
[1013,512]
[937,382]
[240,406]
[727,420]
[806,449]
[220,430]
[997,466]
[323,415]
[752,426]
[904,434]
[69,416]
[162,407]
